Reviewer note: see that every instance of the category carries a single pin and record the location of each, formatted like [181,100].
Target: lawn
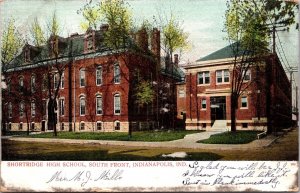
[118,136]
[239,137]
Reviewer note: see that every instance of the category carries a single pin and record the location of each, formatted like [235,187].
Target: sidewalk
[189,141]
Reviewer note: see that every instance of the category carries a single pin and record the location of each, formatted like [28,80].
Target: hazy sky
[202,19]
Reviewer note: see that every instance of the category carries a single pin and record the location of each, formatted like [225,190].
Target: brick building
[96,88]
[265,103]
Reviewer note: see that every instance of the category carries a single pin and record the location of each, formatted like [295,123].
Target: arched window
[98,105]
[9,110]
[117,104]
[82,77]
[117,74]
[33,83]
[44,82]
[21,83]
[32,108]
[98,75]
[82,125]
[82,106]
[117,125]
[21,109]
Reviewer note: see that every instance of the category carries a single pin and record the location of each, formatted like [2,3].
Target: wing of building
[96,84]
[204,101]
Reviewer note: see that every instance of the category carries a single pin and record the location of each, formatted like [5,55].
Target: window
[82,106]
[181,94]
[32,126]
[21,126]
[27,55]
[33,83]
[62,107]
[9,85]
[32,108]
[117,104]
[21,84]
[117,125]
[45,82]
[9,126]
[98,105]
[21,109]
[203,77]
[99,125]
[203,103]
[245,125]
[222,76]
[247,75]
[98,76]
[89,43]
[117,74]
[62,126]
[82,77]
[244,102]
[82,126]
[9,110]
[44,107]
[55,80]
[62,80]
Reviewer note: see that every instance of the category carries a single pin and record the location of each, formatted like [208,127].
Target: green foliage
[91,14]
[250,22]
[117,15]
[144,93]
[11,43]
[174,37]
[37,33]
[54,25]
[238,137]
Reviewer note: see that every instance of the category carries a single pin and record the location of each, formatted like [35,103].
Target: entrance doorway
[218,108]
[43,125]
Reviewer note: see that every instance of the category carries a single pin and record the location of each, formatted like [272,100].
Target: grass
[11,133]
[149,136]
[239,137]
[16,150]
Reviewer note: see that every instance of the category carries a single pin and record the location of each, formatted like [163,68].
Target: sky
[202,19]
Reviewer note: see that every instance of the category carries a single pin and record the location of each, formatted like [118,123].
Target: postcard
[136,95]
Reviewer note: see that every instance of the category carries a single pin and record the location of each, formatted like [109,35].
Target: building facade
[266,101]
[95,84]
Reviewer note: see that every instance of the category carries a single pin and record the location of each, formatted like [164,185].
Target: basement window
[245,125]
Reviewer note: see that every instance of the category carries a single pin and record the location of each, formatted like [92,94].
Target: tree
[52,71]
[247,26]
[174,38]
[91,14]
[11,44]
[144,94]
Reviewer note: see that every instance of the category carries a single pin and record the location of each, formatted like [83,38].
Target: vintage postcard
[138,95]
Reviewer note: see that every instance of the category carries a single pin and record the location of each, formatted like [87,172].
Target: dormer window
[89,40]
[27,55]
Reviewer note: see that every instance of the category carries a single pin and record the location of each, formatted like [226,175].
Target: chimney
[142,39]
[155,45]
[176,60]
[104,27]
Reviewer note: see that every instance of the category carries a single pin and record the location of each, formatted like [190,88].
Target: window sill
[203,109]
[243,108]
[222,83]
[203,84]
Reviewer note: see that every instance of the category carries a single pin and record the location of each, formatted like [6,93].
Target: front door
[218,108]
[43,125]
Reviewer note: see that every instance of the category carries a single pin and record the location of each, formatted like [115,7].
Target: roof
[226,52]
[73,45]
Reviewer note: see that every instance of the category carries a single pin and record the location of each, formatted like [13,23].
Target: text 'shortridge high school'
[97,88]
